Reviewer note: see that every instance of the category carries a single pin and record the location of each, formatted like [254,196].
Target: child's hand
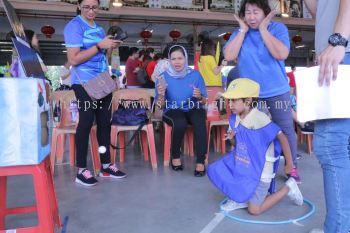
[196,93]
[288,168]
[229,135]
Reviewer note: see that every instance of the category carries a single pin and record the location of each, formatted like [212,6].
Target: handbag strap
[132,137]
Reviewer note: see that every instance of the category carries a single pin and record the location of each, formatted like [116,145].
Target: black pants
[179,120]
[88,109]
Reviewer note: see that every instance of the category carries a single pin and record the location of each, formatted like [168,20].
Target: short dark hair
[150,50]
[79,2]
[133,50]
[262,4]
[176,48]
[208,47]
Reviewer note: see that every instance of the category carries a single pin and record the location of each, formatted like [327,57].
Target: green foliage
[53,75]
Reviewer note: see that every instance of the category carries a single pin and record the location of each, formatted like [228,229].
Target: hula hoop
[305,216]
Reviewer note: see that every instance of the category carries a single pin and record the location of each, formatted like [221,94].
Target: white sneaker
[230,205]
[316,231]
[294,192]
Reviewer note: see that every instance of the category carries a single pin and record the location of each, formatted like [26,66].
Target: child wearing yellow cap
[246,174]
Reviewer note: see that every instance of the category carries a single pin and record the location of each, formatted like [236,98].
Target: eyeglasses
[88,8]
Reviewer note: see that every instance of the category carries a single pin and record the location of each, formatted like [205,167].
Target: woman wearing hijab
[181,94]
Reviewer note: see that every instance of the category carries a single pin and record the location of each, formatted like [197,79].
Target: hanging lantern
[48,31]
[227,36]
[297,39]
[146,34]
[175,35]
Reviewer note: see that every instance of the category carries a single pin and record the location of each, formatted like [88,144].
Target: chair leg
[42,200]
[94,150]
[222,139]
[309,143]
[3,193]
[60,147]
[167,144]
[218,139]
[53,149]
[152,145]
[72,149]
[114,142]
[52,195]
[144,144]
[121,144]
[208,133]
[190,142]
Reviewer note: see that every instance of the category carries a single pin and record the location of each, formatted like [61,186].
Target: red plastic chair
[66,127]
[215,120]
[147,135]
[46,203]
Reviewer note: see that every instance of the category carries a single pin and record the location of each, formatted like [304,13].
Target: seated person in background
[181,93]
[245,174]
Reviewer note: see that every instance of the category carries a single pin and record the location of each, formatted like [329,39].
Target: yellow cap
[242,88]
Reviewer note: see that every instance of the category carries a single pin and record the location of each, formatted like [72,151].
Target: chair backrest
[139,95]
[63,99]
[213,100]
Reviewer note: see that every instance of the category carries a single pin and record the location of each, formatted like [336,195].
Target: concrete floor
[163,201]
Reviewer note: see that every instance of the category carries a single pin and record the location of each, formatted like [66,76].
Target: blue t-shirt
[179,92]
[257,63]
[79,34]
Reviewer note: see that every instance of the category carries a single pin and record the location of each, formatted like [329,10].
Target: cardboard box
[25,135]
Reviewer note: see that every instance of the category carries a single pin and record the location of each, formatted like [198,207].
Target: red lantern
[146,34]
[175,35]
[297,39]
[48,31]
[227,36]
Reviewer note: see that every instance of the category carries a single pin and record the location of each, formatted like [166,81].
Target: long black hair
[262,4]
[79,2]
[208,47]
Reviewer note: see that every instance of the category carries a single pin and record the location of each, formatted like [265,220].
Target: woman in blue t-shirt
[86,44]
[181,93]
[261,47]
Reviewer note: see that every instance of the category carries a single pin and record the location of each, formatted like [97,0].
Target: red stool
[46,202]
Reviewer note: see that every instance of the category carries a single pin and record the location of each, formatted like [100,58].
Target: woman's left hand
[265,23]
[197,93]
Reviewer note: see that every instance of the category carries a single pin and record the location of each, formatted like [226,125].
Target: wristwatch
[336,39]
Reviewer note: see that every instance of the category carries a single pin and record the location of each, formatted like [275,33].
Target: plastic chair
[65,126]
[309,138]
[147,136]
[214,119]
[46,203]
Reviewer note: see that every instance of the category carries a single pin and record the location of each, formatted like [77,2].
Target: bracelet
[241,30]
